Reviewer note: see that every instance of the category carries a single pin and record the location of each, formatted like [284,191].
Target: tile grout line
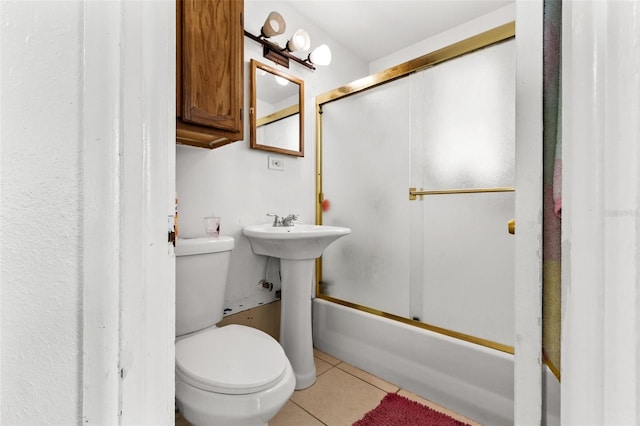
[306,411]
[343,371]
[318,375]
[398,388]
[352,375]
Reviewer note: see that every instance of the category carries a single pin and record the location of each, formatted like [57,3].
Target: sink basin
[298,242]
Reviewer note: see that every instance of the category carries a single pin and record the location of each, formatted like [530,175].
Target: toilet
[230,375]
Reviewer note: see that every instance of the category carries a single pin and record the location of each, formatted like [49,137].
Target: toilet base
[202,408]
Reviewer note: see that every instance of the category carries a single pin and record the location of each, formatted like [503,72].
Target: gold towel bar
[413,192]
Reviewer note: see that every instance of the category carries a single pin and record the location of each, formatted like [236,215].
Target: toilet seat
[233,359]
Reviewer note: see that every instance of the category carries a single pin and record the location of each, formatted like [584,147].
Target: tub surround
[470,379]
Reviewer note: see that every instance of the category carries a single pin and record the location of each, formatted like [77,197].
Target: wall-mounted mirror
[276,110]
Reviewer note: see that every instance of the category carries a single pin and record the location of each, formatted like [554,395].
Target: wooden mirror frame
[255,122]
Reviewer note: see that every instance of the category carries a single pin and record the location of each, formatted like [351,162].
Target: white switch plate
[276,163]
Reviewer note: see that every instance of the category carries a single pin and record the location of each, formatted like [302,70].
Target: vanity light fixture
[299,42]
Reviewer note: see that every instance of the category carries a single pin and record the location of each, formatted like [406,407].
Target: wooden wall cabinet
[209,72]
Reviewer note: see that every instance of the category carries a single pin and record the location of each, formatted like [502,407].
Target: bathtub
[470,379]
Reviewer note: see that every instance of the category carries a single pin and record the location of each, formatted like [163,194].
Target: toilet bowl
[231,375]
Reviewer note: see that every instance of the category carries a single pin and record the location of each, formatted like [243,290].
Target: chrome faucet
[284,221]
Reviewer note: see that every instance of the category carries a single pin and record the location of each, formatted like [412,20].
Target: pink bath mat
[396,410]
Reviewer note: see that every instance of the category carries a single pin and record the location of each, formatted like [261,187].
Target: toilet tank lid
[187,246]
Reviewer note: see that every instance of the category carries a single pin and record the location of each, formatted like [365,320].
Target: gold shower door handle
[511,225]
[413,192]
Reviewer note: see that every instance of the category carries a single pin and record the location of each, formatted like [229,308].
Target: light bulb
[300,41]
[321,55]
[281,81]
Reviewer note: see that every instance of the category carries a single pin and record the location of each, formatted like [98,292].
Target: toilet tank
[202,266]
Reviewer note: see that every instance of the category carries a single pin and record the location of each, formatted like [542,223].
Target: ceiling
[373,29]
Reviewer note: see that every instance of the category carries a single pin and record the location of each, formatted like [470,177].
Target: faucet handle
[288,221]
[276,222]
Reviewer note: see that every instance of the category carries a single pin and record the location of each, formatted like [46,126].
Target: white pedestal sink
[297,247]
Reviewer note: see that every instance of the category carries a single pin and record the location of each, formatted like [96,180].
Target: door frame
[528,366]
[601,211]
[128,174]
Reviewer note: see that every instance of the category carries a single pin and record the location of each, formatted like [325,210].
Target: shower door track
[433,328]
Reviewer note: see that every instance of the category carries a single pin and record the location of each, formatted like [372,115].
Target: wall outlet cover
[276,163]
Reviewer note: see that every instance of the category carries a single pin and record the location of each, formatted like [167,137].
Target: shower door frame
[488,38]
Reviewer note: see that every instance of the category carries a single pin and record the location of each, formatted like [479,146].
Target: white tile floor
[342,395]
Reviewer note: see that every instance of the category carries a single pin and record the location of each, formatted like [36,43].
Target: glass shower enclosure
[419,162]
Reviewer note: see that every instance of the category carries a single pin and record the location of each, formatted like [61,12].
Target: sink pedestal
[295,319]
[297,247]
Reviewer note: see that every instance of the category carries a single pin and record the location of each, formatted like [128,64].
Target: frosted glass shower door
[463,139]
[365,152]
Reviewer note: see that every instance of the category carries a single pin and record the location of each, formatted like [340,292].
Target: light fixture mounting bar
[280,56]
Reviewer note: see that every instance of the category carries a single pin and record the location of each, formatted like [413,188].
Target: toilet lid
[233,359]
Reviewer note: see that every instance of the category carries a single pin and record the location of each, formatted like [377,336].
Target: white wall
[233,181]
[41,219]
[486,22]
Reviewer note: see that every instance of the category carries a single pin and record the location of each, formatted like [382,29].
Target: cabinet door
[212,64]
